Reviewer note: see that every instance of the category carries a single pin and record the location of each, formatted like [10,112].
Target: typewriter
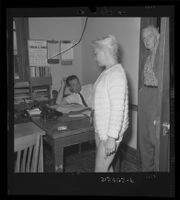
[20,112]
[49,113]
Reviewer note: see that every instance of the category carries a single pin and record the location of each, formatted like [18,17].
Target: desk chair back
[27,153]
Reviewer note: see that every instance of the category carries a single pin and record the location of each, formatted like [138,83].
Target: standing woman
[110,103]
[148,141]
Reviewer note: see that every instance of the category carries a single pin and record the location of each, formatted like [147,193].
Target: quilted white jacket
[111,103]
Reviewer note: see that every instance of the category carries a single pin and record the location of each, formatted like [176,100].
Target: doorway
[154,104]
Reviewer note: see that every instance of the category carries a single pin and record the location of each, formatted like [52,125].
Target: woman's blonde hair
[108,42]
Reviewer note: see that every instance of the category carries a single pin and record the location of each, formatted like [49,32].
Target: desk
[22,132]
[79,131]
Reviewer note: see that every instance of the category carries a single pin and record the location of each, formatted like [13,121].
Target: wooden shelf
[38,84]
[38,81]
[35,84]
[21,84]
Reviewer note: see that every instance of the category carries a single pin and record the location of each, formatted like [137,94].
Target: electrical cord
[76,43]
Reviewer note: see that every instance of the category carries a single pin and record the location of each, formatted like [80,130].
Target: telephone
[21,117]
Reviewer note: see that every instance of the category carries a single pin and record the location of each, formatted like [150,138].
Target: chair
[27,149]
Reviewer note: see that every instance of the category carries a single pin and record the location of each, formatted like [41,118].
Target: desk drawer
[78,124]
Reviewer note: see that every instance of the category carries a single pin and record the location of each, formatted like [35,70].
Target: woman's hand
[59,99]
[92,117]
[110,146]
[63,83]
[62,86]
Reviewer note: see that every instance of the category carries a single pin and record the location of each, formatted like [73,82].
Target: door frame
[163,149]
[145,21]
[164,97]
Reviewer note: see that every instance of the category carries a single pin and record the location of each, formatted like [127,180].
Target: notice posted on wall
[67,52]
[37,51]
[53,52]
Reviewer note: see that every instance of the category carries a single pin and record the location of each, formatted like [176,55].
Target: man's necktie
[82,98]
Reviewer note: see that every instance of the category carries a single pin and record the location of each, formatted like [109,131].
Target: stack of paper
[35,111]
[82,114]
[87,113]
[68,108]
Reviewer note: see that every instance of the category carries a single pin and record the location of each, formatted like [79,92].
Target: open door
[163,120]
[154,104]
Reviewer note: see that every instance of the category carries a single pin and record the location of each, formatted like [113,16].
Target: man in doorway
[147,138]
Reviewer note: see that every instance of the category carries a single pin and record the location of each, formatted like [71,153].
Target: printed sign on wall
[66,56]
[37,50]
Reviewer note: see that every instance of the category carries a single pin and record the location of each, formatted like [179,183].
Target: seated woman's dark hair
[70,78]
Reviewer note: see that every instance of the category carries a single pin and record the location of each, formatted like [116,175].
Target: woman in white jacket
[110,103]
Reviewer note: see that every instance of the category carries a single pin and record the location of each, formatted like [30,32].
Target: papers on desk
[68,108]
[75,115]
[35,111]
[82,114]
[87,113]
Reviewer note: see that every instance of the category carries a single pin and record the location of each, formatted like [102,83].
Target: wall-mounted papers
[75,115]
[53,51]
[66,56]
[37,50]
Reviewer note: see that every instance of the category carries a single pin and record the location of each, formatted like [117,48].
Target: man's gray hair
[153,30]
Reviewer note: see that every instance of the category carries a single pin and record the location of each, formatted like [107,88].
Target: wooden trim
[22,34]
[133,107]
[163,152]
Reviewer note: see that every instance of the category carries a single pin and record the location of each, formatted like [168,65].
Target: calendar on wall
[43,53]
[37,51]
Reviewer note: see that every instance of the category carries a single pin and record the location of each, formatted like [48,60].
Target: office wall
[127,32]
[61,28]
